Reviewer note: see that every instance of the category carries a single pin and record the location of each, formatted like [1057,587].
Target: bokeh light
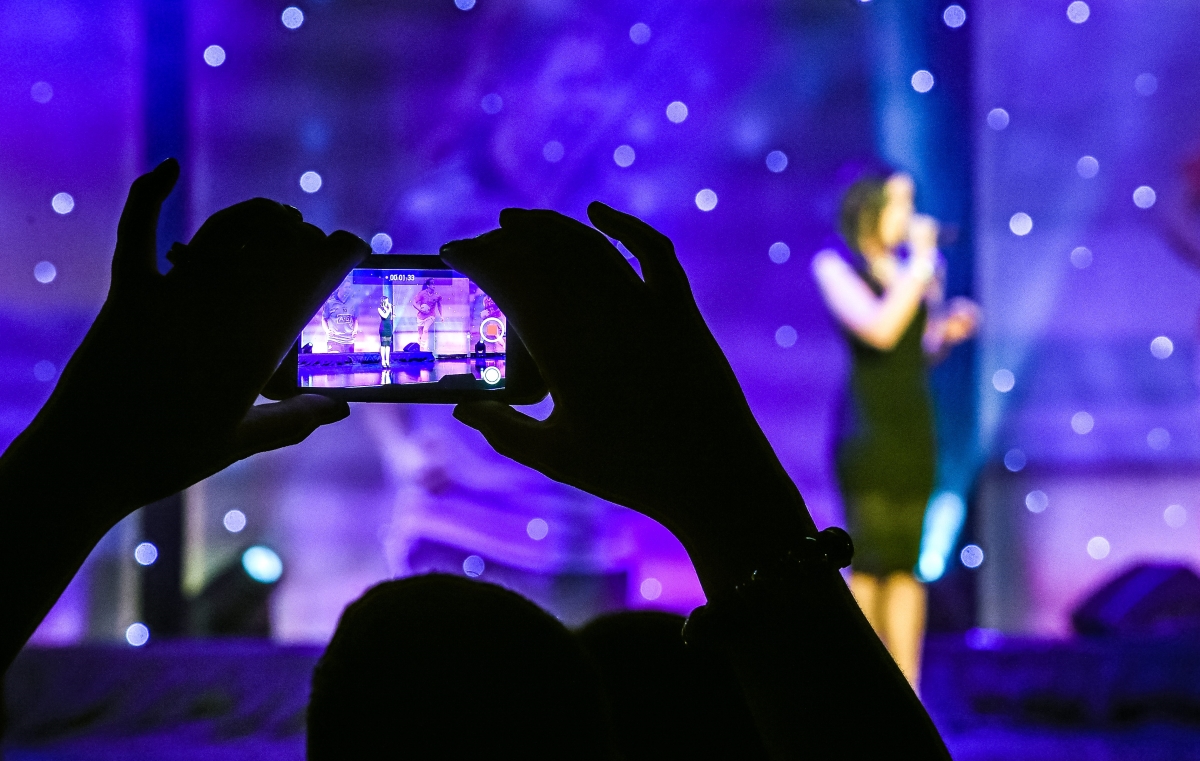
[1082,423]
[1081,257]
[1003,380]
[777,161]
[651,588]
[779,252]
[62,203]
[44,371]
[639,33]
[624,156]
[1014,460]
[234,521]
[310,182]
[381,243]
[262,564]
[145,553]
[41,92]
[1158,439]
[1088,167]
[214,55]
[44,272]
[677,111]
[1162,347]
[706,200]
[971,556]
[1145,84]
[1078,11]
[954,16]
[491,103]
[1144,197]
[553,151]
[1036,501]
[292,17]
[997,119]
[1175,516]
[1020,223]
[922,80]
[786,336]
[1098,547]
[464,5]
[473,566]
[137,634]
[537,529]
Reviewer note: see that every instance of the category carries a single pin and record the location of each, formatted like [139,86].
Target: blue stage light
[145,554]
[310,182]
[1036,501]
[63,203]
[137,634]
[786,336]
[473,566]
[943,520]
[706,200]
[262,564]
[214,55]
[292,17]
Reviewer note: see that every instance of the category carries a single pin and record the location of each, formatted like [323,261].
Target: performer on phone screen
[340,322]
[429,308]
[386,329]
[888,302]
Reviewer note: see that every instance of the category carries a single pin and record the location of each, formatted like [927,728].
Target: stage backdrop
[730,127]
[1086,119]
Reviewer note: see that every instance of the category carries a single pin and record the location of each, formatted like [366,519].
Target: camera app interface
[384,326]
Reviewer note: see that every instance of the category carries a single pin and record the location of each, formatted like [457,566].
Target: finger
[655,252]
[259,222]
[271,426]
[570,236]
[136,256]
[511,433]
[347,249]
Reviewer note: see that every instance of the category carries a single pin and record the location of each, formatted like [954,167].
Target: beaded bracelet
[829,550]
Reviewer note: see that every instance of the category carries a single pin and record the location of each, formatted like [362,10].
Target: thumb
[511,433]
[272,426]
[136,257]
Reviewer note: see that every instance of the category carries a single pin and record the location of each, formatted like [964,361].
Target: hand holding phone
[651,416]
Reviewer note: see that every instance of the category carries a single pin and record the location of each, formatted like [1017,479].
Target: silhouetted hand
[647,411]
[160,394]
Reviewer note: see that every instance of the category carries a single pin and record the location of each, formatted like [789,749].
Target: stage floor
[372,373]
[994,700]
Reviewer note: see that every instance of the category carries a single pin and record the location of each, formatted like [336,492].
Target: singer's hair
[861,208]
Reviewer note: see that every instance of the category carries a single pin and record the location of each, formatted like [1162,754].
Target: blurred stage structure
[1052,139]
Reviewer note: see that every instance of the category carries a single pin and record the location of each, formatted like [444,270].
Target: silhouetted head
[667,701]
[876,211]
[443,667]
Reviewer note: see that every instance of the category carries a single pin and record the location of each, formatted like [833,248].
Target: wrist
[744,526]
[49,479]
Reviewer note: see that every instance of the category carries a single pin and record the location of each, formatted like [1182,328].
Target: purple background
[384,101]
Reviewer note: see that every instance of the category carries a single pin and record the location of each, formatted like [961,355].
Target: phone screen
[387,326]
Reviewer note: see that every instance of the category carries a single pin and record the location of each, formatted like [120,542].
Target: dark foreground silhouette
[809,673]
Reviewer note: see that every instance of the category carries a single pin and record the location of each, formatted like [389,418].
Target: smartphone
[408,328]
